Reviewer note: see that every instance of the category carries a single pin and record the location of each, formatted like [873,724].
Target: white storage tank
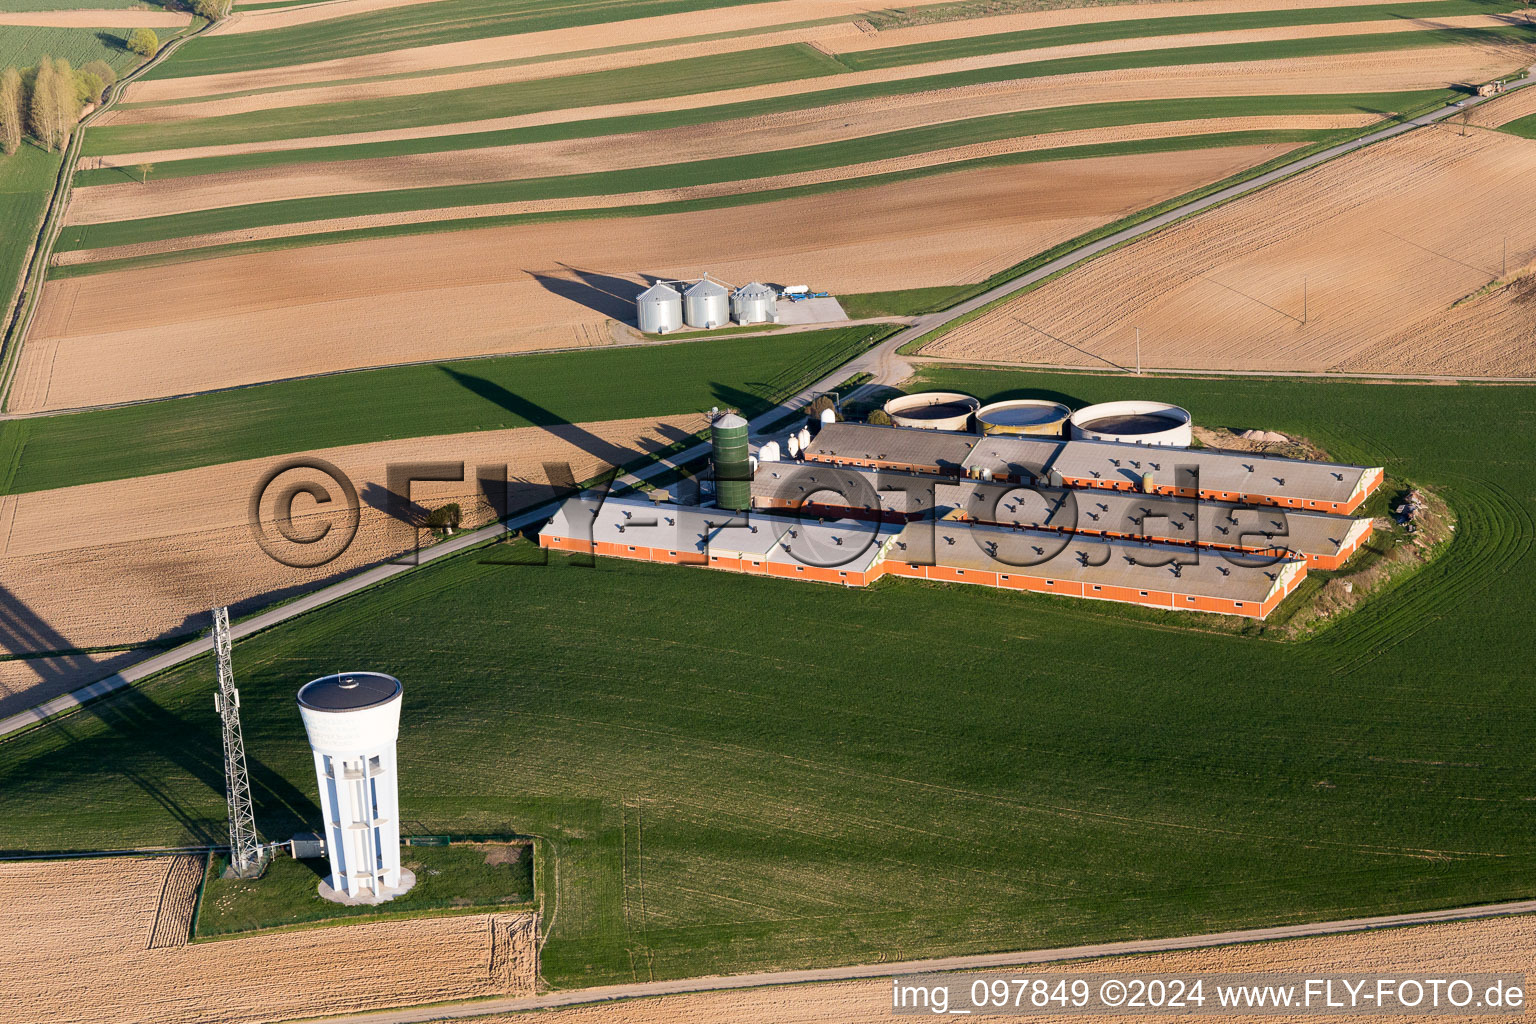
[706,304]
[755,304]
[1134,423]
[353,720]
[660,309]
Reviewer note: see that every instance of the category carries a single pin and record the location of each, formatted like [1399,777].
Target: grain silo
[706,304]
[353,720]
[733,467]
[755,304]
[660,309]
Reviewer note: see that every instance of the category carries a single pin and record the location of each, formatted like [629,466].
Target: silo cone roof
[730,421]
[706,289]
[756,290]
[658,292]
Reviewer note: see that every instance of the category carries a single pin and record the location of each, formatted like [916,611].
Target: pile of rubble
[1412,506]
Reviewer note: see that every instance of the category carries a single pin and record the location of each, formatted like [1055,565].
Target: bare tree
[12,120]
[39,118]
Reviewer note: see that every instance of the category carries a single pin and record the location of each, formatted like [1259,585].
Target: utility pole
[245,856]
[1138,351]
[1505,271]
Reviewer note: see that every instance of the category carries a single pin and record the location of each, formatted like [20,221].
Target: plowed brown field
[1387,240]
[524,46]
[104,204]
[439,296]
[413,86]
[125,561]
[1496,945]
[84,942]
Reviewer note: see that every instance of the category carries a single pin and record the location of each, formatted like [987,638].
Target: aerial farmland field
[390,573]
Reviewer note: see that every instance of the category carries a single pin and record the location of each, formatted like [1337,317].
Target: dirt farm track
[105,942]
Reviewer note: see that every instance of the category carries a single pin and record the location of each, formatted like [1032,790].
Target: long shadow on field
[24,631]
[603,293]
[517,405]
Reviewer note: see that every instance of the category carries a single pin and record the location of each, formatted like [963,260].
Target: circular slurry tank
[1134,423]
[932,410]
[1032,416]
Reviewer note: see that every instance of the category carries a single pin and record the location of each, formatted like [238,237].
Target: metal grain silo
[660,309]
[755,304]
[732,460]
[707,304]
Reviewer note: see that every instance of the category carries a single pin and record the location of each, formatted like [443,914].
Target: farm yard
[715,808]
[105,940]
[386,232]
[1401,249]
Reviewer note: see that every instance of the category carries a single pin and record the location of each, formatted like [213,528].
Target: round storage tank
[732,460]
[660,309]
[707,304]
[933,410]
[1032,416]
[755,304]
[1134,423]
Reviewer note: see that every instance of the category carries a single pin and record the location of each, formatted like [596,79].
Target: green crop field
[26,179]
[751,374]
[1524,127]
[787,161]
[1139,28]
[741,774]
[427,25]
[23,45]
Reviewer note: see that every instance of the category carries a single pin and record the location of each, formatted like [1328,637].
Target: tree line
[45,102]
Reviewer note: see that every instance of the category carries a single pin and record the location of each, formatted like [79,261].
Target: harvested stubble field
[1387,240]
[442,295]
[104,941]
[1500,945]
[129,561]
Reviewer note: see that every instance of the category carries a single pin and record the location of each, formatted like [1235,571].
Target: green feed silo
[733,467]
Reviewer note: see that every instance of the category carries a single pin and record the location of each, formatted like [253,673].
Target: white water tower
[353,719]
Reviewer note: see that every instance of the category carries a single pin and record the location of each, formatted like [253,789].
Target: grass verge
[463,878]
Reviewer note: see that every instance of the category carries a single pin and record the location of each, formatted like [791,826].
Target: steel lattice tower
[245,858]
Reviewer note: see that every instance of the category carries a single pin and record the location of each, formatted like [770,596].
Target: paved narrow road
[883,362]
[983,961]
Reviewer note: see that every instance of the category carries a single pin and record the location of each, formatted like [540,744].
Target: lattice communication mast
[245,854]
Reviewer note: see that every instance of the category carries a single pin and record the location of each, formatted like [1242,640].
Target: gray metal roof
[1218,470]
[349,691]
[1020,456]
[1087,560]
[1161,517]
[756,290]
[849,486]
[1235,472]
[911,446]
[690,529]
[730,421]
[705,289]
[658,292]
